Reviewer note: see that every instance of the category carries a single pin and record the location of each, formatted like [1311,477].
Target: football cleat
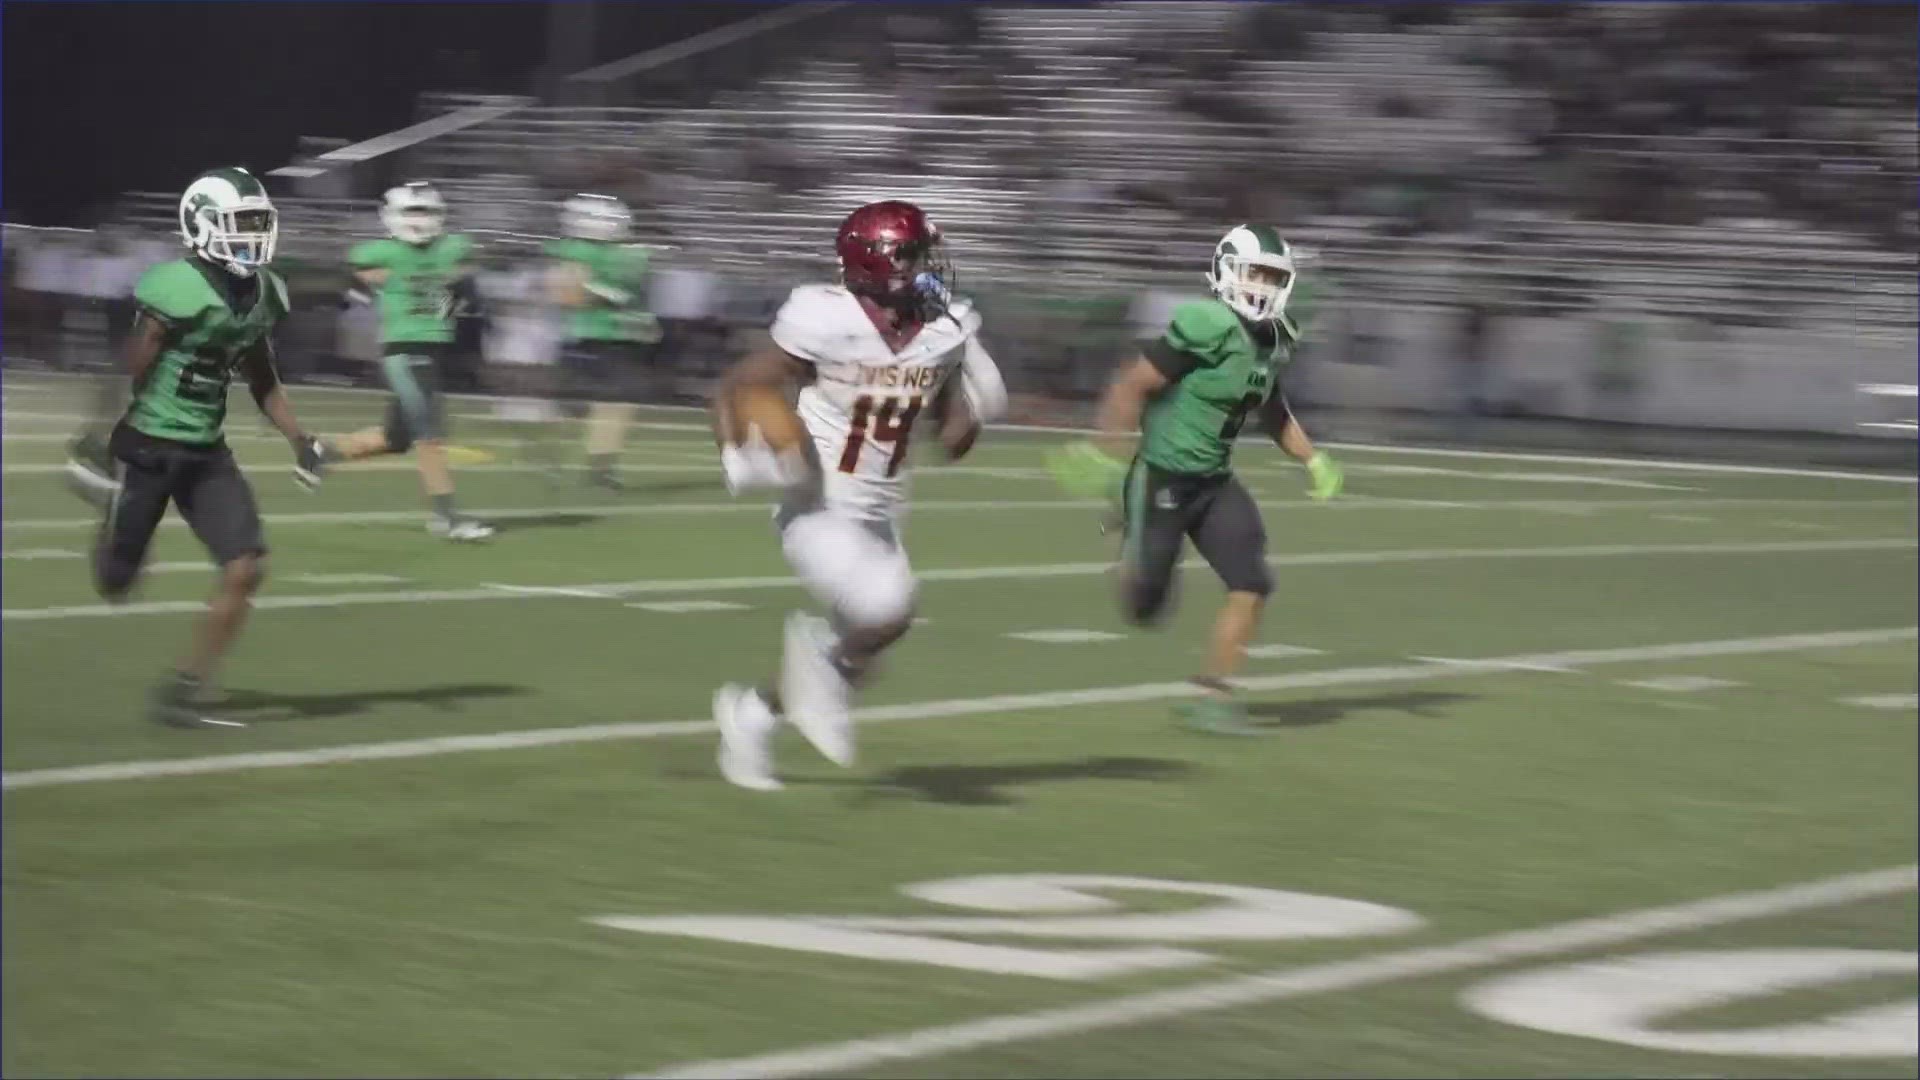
[178,703]
[1217,716]
[460,530]
[604,478]
[746,730]
[813,690]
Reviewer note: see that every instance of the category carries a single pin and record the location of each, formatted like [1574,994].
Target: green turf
[431,916]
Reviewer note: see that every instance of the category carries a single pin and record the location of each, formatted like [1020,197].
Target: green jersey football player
[201,320]
[420,278]
[1187,396]
[600,280]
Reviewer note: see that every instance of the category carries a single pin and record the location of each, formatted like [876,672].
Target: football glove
[1324,476]
[611,294]
[754,464]
[1086,471]
[310,462]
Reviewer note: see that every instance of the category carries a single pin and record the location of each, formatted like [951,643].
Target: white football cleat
[746,728]
[461,530]
[812,690]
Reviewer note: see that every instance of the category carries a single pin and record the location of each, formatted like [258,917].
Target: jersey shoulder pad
[174,290]
[561,249]
[371,254]
[962,311]
[811,320]
[1200,328]
[459,246]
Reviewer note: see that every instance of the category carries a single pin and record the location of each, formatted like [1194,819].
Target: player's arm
[1158,366]
[463,296]
[975,395]
[256,364]
[143,346]
[1286,430]
[762,441]
[1093,469]
[754,392]
[566,282]
[263,380]
[1291,437]
[368,272]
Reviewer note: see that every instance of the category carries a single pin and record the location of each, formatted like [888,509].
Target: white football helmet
[227,219]
[596,217]
[1253,272]
[414,213]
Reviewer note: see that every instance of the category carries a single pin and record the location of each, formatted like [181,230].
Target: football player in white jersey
[886,350]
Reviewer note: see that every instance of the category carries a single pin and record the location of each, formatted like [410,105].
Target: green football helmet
[596,217]
[227,219]
[414,213]
[1253,272]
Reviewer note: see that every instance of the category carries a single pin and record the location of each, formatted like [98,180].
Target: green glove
[1086,471]
[1325,476]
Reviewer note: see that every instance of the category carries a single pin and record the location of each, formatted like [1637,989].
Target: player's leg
[858,571]
[218,504]
[859,633]
[609,383]
[1231,537]
[417,419]
[1155,507]
[143,474]
[395,433]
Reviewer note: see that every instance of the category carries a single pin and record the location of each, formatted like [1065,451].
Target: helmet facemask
[227,219]
[918,278]
[1253,278]
[242,240]
[414,215]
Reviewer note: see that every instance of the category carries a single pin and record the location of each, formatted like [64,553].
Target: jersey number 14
[883,422]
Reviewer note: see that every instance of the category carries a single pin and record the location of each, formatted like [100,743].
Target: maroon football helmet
[890,252]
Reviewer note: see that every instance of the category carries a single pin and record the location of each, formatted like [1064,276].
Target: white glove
[754,464]
[614,295]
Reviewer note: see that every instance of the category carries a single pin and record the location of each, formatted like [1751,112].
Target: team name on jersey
[915,377]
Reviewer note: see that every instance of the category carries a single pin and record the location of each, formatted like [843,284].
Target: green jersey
[1221,369]
[184,395]
[416,303]
[616,283]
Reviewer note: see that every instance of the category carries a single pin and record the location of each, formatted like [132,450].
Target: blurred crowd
[1425,116]
[1498,159]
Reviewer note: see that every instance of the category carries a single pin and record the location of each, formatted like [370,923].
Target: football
[768,410]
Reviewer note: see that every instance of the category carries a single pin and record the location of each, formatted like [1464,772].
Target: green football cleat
[181,701]
[1217,716]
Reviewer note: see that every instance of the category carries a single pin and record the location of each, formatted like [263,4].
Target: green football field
[1565,767]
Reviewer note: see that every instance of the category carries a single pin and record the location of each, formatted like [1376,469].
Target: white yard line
[615,510]
[931,710]
[1281,984]
[39,378]
[1633,463]
[618,589]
